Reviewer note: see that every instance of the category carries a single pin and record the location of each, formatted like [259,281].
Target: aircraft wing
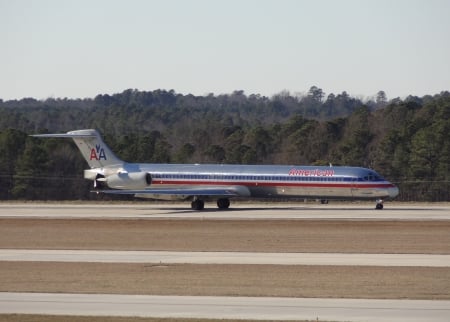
[186,192]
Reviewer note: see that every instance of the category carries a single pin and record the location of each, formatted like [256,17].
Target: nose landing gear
[379,204]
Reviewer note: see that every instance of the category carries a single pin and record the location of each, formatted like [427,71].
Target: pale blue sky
[81,48]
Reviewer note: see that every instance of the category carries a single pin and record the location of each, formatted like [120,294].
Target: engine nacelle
[125,180]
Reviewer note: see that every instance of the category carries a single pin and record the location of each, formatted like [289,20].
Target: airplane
[220,182]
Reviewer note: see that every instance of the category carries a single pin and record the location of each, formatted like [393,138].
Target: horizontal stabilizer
[64,135]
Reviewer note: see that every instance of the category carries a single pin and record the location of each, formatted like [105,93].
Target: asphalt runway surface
[254,211]
[229,307]
[261,308]
[225,258]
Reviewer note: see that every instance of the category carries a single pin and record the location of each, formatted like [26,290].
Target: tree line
[407,141]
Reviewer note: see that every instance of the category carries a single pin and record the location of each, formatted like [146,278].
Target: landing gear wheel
[324,201]
[379,204]
[198,204]
[223,203]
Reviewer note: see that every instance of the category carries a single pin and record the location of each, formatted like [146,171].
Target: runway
[261,308]
[254,211]
[242,258]
[264,308]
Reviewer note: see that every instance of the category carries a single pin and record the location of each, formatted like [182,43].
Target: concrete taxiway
[255,211]
[262,308]
[242,258]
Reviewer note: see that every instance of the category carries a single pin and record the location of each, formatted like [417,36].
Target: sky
[82,48]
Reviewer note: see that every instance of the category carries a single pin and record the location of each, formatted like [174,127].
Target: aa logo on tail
[98,153]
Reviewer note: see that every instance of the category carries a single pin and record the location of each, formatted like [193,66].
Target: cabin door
[354,188]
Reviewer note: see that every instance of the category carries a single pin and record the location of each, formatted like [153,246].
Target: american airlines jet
[200,182]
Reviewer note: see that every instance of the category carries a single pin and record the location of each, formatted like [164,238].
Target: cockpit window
[373,176]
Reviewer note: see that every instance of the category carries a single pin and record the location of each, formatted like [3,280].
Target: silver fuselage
[267,181]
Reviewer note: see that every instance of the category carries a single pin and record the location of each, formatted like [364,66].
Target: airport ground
[341,228]
[68,318]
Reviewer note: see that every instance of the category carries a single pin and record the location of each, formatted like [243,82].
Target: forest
[406,140]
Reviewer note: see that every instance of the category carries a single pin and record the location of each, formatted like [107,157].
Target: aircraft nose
[393,191]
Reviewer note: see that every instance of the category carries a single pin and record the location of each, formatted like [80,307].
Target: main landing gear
[223,203]
[198,204]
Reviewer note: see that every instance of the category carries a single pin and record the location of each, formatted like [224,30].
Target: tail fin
[94,150]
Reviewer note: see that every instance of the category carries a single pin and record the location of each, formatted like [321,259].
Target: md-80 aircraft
[200,182]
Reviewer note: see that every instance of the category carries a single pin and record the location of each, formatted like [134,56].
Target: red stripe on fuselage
[275,184]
